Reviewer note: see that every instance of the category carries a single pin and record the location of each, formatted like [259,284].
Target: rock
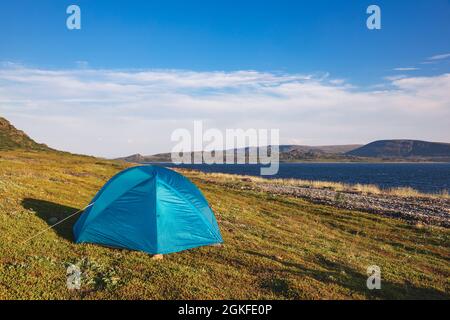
[53,220]
[157,257]
[428,211]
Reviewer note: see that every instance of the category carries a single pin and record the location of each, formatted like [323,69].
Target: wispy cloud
[406,69]
[440,56]
[119,112]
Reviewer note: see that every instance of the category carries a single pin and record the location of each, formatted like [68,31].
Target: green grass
[276,247]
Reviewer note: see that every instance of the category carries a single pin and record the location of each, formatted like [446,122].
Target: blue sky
[292,36]
[137,70]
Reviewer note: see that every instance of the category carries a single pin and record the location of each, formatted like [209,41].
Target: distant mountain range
[382,150]
[287,153]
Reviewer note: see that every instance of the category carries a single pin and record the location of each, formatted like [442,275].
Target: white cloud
[406,69]
[440,56]
[136,111]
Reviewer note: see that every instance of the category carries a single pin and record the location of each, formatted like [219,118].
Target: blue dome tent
[151,209]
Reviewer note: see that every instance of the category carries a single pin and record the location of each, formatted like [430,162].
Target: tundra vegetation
[276,246]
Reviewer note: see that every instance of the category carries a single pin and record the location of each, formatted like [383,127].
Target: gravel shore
[426,210]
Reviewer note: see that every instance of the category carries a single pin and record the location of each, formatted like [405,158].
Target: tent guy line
[146,208]
[59,222]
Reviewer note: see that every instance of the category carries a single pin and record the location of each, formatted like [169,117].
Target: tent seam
[84,227]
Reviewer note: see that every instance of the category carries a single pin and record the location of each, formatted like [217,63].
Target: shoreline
[402,203]
[419,187]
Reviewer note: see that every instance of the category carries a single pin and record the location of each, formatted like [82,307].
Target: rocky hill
[12,138]
[403,149]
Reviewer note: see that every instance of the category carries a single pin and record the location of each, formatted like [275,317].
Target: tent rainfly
[150,209]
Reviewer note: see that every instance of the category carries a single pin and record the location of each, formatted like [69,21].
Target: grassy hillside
[275,246]
[11,138]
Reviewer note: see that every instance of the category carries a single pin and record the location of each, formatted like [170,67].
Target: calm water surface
[425,177]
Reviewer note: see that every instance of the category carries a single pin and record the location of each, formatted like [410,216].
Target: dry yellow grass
[368,189]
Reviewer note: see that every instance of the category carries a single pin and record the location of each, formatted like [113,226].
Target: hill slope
[287,153]
[12,138]
[402,149]
[276,246]
[334,149]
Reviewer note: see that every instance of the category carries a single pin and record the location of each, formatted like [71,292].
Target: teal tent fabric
[151,209]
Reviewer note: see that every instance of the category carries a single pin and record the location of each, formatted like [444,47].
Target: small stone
[53,220]
[157,257]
